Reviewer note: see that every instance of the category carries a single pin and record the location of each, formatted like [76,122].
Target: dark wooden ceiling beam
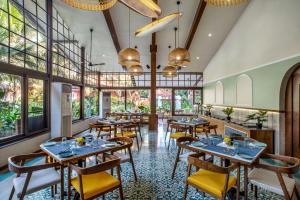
[112,30]
[197,18]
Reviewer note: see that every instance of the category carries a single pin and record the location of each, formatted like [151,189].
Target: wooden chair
[31,179]
[178,131]
[211,179]
[169,122]
[184,156]
[272,178]
[130,131]
[101,130]
[126,145]
[94,181]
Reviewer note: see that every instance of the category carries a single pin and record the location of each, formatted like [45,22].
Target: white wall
[267,31]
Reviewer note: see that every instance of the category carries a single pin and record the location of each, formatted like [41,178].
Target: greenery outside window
[91,99]
[10,106]
[183,102]
[76,103]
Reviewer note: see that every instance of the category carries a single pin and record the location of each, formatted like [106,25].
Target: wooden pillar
[153,117]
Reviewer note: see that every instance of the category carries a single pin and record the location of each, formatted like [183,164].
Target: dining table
[191,124]
[116,122]
[69,152]
[245,153]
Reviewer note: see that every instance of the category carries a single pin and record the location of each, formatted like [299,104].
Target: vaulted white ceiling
[216,20]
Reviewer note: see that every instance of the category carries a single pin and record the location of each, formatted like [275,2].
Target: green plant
[260,117]
[208,107]
[228,111]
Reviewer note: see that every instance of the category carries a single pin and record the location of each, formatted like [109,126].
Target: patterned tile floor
[154,164]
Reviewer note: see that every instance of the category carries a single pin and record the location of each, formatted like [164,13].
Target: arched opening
[244,90]
[290,119]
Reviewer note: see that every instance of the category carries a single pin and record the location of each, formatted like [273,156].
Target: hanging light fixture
[169,72]
[135,70]
[147,8]
[129,56]
[92,5]
[224,2]
[179,56]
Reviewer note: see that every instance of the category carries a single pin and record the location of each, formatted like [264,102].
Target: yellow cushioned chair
[178,131]
[130,131]
[129,134]
[179,134]
[211,179]
[94,181]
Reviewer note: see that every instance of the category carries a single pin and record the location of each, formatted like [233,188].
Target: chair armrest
[15,163]
[293,162]
[98,168]
[194,160]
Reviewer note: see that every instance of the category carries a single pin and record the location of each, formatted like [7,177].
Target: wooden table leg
[246,181]
[238,182]
[69,182]
[62,191]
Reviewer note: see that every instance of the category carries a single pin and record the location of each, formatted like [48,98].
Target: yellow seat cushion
[107,129]
[130,134]
[94,184]
[211,182]
[199,130]
[180,134]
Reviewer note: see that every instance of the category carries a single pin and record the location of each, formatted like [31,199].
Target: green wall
[266,82]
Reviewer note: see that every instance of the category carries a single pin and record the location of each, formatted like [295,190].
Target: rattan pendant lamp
[129,56]
[169,71]
[92,5]
[179,56]
[224,2]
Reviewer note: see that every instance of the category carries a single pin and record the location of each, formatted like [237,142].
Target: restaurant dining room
[150,99]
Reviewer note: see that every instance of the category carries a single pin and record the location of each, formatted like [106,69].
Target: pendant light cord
[91,44]
[129,28]
[178,3]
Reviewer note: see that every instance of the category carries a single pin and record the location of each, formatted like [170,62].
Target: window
[23,35]
[36,105]
[66,52]
[198,97]
[76,103]
[183,100]
[90,102]
[10,106]
[138,101]
[164,101]
[117,101]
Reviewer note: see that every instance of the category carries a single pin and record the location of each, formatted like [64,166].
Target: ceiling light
[197,57]
[209,35]
[129,57]
[156,25]
[136,70]
[224,2]
[145,7]
[92,5]
[169,72]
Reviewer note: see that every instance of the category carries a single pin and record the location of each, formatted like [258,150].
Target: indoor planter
[228,111]
[208,110]
[260,117]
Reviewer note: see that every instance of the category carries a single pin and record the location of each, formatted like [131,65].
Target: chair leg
[137,142]
[166,132]
[255,192]
[132,164]
[121,192]
[185,191]
[12,193]
[297,193]
[176,161]
[169,143]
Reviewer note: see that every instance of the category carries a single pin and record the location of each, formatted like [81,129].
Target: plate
[48,144]
[198,144]
[110,145]
[245,156]
[66,154]
[259,144]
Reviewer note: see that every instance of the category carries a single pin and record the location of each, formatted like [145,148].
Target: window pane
[138,101]
[10,106]
[117,101]
[75,102]
[164,102]
[90,102]
[36,105]
[183,102]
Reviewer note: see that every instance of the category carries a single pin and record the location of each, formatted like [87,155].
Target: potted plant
[208,109]
[228,111]
[260,117]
